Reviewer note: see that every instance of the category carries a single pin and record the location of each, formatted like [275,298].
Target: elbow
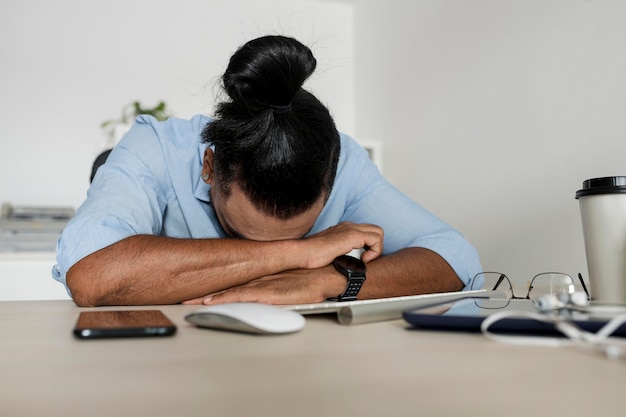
[81,302]
[82,289]
[80,296]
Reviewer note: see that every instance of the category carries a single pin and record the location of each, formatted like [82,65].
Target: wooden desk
[379,369]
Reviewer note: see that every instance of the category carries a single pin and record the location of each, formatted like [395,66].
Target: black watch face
[354,270]
[350,265]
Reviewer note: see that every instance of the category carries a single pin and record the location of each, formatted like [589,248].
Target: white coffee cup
[603,213]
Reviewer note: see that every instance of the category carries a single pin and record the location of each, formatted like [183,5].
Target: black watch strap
[354,271]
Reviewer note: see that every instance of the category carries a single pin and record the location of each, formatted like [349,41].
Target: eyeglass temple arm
[495,287]
[582,282]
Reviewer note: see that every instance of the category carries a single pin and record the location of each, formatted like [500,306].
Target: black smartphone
[123,323]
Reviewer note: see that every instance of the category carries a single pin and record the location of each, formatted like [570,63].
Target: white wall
[66,66]
[493,112]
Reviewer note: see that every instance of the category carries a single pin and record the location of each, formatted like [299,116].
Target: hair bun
[268,71]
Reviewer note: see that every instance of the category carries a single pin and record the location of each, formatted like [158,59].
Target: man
[254,205]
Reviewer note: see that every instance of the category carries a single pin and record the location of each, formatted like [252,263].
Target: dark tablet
[468,314]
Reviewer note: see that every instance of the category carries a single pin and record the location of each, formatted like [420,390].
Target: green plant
[129,112]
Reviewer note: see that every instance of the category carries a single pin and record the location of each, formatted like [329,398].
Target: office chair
[100,159]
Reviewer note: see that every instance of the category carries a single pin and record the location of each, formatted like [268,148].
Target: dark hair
[275,139]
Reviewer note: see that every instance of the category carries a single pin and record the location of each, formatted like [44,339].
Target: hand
[291,287]
[325,246]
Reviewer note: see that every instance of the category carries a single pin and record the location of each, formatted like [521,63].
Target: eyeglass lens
[551,283]
[493,281]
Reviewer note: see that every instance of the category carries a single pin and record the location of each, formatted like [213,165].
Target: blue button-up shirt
[151,184]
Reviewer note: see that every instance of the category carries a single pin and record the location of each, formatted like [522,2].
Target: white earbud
[579,299]
[550,302]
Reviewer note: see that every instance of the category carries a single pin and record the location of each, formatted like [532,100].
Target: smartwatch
[354,271]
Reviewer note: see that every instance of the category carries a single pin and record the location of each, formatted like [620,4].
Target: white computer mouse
[247,317]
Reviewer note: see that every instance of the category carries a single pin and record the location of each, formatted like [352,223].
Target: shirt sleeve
[124,199]
[372,199]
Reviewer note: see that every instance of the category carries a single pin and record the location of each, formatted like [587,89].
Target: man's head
[274,142]
[241,218]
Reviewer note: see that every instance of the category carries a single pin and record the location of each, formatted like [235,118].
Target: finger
[234,295]
[370,254]
[195,301]
[373,246]
[369,234]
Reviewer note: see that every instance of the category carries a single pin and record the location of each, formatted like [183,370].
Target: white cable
[576,336]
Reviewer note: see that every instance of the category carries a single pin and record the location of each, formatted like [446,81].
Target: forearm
[410,271]
[158,270]
[146,269]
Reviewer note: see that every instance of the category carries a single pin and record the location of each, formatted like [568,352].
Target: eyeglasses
[546,283]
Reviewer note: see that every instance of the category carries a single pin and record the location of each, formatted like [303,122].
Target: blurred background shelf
[28,237]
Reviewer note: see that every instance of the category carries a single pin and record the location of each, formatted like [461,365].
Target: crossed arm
[143,269]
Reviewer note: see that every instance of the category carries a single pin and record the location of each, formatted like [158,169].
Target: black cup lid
[604,185]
